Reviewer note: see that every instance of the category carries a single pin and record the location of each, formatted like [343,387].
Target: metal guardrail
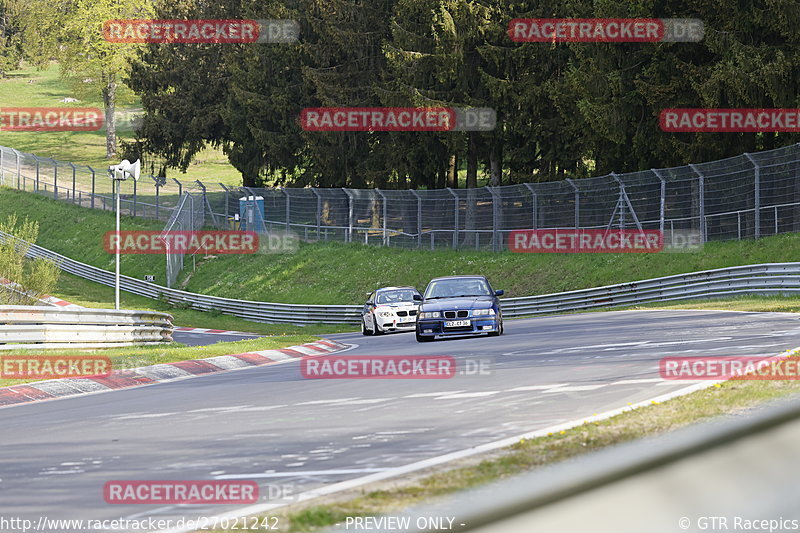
[24,326]
[764,279]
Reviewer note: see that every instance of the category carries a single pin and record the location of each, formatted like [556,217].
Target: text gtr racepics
[459,305]
[389,309]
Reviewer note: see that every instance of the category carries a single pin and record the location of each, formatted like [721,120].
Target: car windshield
[396,296]
[457,287]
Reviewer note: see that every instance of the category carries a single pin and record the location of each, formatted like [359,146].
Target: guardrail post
[662,204]
[455,218]
[55,178]
[319,212]
[349,237]
[577,202]
[757,199]
[383,215]
[495,218]
[92,171]
[419,217]
[534,202]
[701,201]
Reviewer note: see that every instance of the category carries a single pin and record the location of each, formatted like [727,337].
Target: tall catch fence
[742,197]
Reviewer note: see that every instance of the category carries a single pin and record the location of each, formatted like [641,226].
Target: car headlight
[430,314]
[483,312]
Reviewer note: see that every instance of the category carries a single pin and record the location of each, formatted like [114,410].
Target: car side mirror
[499,292]
[417,298]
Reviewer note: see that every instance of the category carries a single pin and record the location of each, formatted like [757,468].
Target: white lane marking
[211,409]
[433,461]
[467,395]
[637,381]
[428,394]
[322,402]
[576,388]
[536,387]
[151,415]
[368,401]
[338,472]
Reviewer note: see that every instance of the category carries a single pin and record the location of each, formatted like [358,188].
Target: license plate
[456,323]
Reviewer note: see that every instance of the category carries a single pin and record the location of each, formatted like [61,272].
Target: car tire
[499,330]
[375,329]
[364,330]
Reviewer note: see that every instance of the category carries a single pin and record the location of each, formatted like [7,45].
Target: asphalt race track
[271,425]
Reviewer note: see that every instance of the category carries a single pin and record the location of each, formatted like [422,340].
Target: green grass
[29,87]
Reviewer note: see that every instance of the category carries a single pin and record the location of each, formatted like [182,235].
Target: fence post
[92,171]
[349,216]
[701,198]
[757,199]
[2,168]
[662,206]
[577,202]
[319,212]
[419,218]
[36,183]
[224,188]
[534,202]
[180,187]
[288,208]
[73,182]
[135,190]
[16,153]
[55,178]
[455,218]
[205,203]
[495,217]
[383,215]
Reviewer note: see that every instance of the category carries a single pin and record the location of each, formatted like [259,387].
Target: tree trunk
[110,102]
[452,173]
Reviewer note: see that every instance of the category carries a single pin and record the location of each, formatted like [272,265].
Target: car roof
[395,288]
[460,277]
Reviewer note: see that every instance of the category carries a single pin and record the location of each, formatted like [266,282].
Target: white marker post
[118,174]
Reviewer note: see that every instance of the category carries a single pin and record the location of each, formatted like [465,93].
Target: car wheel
[364,330]
[375,329]
[499,330]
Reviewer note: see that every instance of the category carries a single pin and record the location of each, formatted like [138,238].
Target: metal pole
[577,202]
[702,201]
[2,169]
[180,188]
[226,205]
[55,178]
[36,186]
[757,199]
[349,216]
[455,217]
[116,261]
[134,197]
[73,182]
[495,217]
[288,208]
[18,168]
[534,201]
[319,211]
[92,200]
[663,199]
[419,218]
[383,212]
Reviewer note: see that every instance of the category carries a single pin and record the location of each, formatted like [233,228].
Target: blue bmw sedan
[456,306]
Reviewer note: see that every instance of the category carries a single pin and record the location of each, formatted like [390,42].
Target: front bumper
[434,327]
[396,323]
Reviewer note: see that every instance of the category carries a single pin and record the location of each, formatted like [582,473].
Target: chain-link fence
[747,196]
[189,215]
